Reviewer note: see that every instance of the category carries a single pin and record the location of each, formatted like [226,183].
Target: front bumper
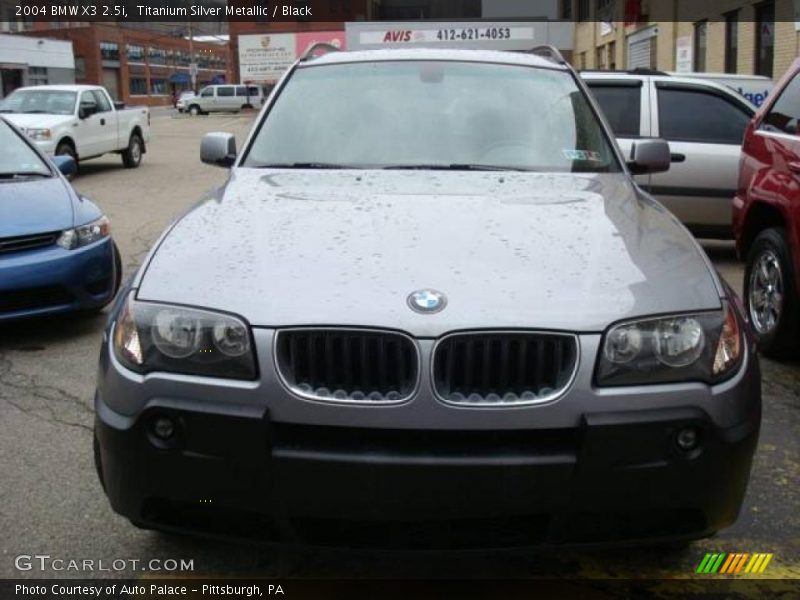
[53,280]
[250,460]
[46,146]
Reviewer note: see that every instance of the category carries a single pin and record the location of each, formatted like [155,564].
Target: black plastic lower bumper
[615,478]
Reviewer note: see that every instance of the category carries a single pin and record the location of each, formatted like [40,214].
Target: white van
[755,88]
[222,98]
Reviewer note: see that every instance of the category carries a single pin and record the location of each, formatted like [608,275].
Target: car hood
[34,206]
[38,120]
[509,250]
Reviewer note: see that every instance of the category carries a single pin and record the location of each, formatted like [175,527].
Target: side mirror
[66,164]
[649,156]
[85,112]
[218,149]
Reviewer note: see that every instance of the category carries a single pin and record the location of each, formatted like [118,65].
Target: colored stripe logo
[734,563]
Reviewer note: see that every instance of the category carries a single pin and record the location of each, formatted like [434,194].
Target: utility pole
[192,64]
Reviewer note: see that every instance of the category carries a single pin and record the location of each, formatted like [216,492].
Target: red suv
[766,217]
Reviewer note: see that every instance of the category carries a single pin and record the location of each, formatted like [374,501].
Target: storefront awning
[180,78]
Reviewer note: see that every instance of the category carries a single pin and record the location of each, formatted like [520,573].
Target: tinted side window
[103,105]
[224,91]
[241,90]
[622,107]
[698,116]
[88,102]
[784,116]
[207,92]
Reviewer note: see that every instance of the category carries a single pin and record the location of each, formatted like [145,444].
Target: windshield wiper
[454,167]
[34,112]
[23,174]
[6,110]
[304,165]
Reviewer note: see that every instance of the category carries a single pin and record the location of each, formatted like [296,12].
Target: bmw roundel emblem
[427,301]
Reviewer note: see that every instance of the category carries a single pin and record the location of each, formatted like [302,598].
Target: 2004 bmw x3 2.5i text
[429,307]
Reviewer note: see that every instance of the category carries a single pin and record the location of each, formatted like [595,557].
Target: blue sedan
[56,251]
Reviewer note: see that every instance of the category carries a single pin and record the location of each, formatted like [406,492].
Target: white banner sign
[265,57]
[447,35]
[684,54]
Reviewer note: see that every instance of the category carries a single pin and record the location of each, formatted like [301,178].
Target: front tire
[770,293]
[194,110]
[132,155]
[67,149]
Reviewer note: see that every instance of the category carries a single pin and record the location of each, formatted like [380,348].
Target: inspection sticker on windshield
[589,155]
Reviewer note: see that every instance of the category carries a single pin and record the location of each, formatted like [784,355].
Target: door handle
[677,158]
[102,121]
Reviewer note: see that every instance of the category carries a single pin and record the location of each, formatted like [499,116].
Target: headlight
[85,234]
[158,337]
[39,135]
[703,347]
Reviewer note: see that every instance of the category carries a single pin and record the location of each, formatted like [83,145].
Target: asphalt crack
[40,400]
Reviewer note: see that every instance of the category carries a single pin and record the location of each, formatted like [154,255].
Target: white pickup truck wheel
[194,110]
[66,149]
[132,155]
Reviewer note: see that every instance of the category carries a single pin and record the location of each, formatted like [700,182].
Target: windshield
[52,102]
[432,114]
[16,157]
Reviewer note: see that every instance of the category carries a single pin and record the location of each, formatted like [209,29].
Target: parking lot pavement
[51,502]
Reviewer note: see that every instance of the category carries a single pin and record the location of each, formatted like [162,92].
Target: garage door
[639,54]
[111,82]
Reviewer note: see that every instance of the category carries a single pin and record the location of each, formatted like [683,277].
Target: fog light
[163,428]
[688,439]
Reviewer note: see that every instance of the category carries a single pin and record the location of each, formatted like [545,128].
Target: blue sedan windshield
[16,157]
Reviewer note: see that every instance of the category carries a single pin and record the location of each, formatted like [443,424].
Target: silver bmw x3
[430,306]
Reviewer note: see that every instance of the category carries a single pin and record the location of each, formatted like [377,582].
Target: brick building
[140,66]
[733,36]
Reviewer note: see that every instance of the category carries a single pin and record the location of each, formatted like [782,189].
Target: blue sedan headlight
[85,234]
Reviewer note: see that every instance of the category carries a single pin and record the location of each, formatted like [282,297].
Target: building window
[612,56]
[765,38]
[138,86]
[700,43]
[109,51]
[158,87]
[566,9]
[156,56]
[600,57]
[136,54]
[583,10]
[604,5]
[731,41]
[37,76]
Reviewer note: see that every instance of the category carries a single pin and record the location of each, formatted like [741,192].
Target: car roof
[395,54]
[62,88]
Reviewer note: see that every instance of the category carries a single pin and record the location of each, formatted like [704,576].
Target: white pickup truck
[79,120]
